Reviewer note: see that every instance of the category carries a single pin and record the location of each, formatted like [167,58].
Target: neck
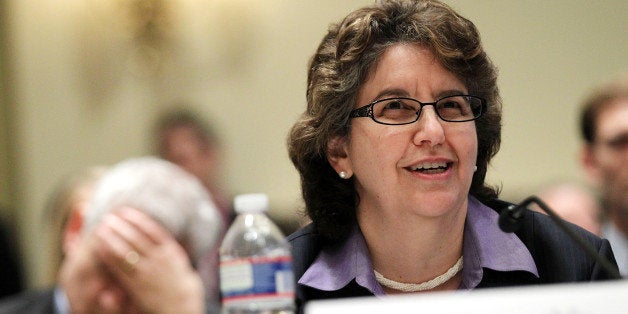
[418,250]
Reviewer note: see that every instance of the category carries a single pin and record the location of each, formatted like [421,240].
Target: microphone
[511,218]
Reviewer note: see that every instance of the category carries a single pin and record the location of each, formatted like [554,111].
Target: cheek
[465,143]
[473,150]
[608,163]
[375,151]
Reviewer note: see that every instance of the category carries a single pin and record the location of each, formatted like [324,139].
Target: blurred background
[82,82]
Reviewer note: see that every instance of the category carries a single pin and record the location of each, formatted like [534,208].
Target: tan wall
[84,97]
[5,194]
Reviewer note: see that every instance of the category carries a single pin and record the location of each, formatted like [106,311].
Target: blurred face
[423,168]
[607,158]
[182,147]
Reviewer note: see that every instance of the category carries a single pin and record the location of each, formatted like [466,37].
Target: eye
[619,142]
[395,111]
[454,108]
[394,104]
[450,104]
[398,104]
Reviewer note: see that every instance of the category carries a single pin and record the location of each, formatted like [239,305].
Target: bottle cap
[251,203]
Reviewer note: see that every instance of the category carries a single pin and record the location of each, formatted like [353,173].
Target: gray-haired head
[165,192]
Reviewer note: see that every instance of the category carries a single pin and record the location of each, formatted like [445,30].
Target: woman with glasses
[403,116]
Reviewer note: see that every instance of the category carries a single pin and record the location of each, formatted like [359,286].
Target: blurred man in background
[184,138]
[135,247]
[604,128]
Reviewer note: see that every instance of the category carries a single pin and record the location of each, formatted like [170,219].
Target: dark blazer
[557,257]
[35,302]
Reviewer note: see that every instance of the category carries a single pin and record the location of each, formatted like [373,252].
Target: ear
[338,157]
[590,164]
[72,230]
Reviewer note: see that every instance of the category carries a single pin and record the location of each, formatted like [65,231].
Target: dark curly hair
[340,67]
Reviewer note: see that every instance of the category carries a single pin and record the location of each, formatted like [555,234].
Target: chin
[439,204]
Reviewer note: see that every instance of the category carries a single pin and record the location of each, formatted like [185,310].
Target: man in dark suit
[604,131]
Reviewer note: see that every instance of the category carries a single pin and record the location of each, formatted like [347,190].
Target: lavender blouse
[485,246]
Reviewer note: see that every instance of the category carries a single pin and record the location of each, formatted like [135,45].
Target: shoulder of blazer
[304,246]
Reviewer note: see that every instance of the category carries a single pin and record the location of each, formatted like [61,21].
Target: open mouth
[431,167]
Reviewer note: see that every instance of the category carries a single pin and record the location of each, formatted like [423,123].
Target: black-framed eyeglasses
[404,110]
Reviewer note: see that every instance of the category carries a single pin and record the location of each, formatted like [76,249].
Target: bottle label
[257,278]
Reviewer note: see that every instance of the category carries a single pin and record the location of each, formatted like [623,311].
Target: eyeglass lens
[405,110]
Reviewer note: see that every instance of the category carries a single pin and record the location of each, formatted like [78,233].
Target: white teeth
[429,165]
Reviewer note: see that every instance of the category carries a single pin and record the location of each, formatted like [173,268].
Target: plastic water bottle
[255,262]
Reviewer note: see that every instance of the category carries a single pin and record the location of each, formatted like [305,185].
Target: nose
[429,128]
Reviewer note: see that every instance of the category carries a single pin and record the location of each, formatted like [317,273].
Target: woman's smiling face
[425,167]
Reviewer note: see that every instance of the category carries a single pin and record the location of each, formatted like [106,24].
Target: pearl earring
[475,168]
[342,174]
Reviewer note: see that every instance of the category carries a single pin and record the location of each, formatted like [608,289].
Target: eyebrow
[397,92]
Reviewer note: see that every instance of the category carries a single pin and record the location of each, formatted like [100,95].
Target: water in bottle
[255,262]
